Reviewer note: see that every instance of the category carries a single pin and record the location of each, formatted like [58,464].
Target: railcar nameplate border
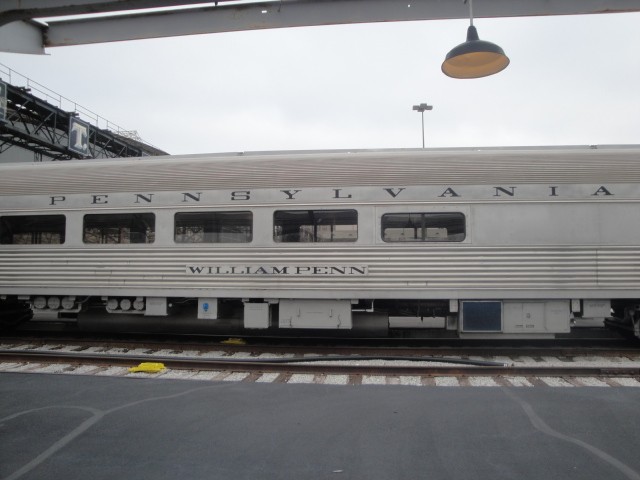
[262,270]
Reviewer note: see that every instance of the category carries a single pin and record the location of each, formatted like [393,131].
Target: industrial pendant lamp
[474,58]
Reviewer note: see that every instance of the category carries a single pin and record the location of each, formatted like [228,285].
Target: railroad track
[365,347]
[354,368]
[502,364]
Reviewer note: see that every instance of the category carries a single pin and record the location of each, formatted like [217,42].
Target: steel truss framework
[33,124]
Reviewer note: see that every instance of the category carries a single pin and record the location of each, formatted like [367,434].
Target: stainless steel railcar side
[474,243]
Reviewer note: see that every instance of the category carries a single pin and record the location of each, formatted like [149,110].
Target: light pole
[421,108]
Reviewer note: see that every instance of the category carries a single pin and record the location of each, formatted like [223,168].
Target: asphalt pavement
[91,428]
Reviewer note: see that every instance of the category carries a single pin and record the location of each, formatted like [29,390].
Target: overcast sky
[573,80]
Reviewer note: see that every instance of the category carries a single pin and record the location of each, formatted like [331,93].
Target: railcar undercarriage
[471,319]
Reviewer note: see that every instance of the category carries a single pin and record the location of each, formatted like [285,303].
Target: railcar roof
[385,168]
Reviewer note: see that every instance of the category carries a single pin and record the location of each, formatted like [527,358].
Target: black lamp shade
[474,58]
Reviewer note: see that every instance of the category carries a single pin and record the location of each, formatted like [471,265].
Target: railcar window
[213,227]
[119,228]
[423,227]
[315,226]
[32,229]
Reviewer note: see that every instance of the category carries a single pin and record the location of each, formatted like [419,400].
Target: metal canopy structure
[36,125]
[99,21]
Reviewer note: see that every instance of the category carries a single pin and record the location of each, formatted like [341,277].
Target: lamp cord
[470,10]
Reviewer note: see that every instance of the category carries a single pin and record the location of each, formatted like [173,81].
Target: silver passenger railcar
[476,243]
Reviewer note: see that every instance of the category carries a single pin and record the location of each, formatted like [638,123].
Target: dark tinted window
[213,227]
[315,226]
[423,227]
[119,228]
[32,229]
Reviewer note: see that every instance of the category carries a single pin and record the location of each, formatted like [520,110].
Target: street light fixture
[421,108]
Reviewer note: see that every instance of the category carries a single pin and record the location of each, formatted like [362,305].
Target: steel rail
[312,365]
[604,348]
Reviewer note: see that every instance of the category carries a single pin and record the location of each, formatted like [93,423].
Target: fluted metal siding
[391,269]
[383,169]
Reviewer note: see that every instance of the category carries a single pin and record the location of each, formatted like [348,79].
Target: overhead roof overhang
[100,21]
